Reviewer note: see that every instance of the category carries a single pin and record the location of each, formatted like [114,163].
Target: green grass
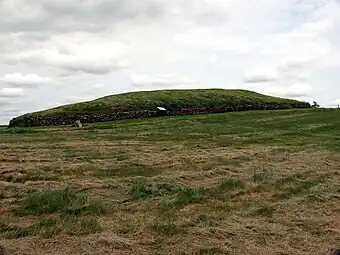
[297,188]
[63,211]
[47,228]
[167,229]
[264,211]
[141,191]
[287,128]
[173,100]
[80,226]
[52,201]
[186,196]
[181,196]
[23,131]
[231,184]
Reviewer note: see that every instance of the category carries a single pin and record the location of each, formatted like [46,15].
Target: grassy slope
[171,99]
[257,182]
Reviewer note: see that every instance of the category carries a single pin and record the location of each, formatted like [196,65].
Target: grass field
[257,182]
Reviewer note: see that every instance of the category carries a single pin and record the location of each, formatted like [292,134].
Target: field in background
[257,182]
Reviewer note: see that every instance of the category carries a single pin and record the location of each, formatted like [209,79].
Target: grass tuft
[296,188]
[167,229]
[141,191]
[44,227]
[231,184]
[80,226]
[264,211]
[52,201]
[187,196]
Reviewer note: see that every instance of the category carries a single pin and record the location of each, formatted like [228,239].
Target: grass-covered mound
[145,103]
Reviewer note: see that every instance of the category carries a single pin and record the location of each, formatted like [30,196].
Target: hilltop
[145,103]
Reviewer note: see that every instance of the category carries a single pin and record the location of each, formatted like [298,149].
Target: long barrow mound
[144,104]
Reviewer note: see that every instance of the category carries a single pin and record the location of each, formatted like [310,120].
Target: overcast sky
[57,52]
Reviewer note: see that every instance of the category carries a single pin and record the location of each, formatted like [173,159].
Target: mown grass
[263,182]
[288,128]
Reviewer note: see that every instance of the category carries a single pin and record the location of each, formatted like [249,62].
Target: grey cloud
[95,15]
[9,108]
[8,102]
[9,112]
[5,101]
[49,33]
[81,15]
[86,67]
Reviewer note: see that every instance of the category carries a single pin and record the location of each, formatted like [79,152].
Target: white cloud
[208,39]
[75,53]
[261,74]
[292,91]
[21,80]
[161,81]
[294,54]
[11,92]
